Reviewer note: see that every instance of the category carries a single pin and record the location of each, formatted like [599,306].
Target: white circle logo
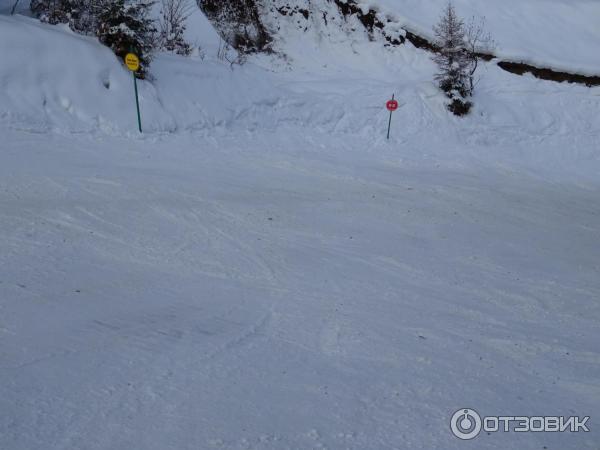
[465,424]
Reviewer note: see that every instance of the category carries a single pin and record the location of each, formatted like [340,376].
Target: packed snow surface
[289,291]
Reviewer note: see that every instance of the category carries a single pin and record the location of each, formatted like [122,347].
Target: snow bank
[53,78]
[325,76]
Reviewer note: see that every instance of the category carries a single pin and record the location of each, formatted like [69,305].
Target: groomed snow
[290,290]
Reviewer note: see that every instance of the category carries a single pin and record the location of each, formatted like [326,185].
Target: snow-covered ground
[262,269]
[563,34]
[280,290]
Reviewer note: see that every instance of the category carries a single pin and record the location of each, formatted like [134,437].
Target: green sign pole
[390,122]
[137,102]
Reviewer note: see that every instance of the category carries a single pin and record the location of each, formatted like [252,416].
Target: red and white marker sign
[392,105]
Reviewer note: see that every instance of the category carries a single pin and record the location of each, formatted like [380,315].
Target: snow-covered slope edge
[335,79]
[53,78]
[261,25]
[562,35]
[396,29]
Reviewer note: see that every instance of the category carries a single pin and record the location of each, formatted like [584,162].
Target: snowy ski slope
[292,290]
[262,269]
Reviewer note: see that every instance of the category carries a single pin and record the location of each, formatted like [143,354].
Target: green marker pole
[137,102]
[390,122]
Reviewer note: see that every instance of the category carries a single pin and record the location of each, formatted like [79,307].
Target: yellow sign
[132,62]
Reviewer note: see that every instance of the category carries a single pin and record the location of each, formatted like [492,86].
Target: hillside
[558,34]
[333,77]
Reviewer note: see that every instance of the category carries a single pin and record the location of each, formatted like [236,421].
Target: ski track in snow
[261,293]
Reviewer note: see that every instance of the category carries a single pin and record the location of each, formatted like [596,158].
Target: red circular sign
[392,105]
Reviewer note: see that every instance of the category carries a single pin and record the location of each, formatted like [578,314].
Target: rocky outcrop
[239,23]
[520,68]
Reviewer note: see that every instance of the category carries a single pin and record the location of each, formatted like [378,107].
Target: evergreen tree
[84,15]
[122,25]
[79,14]
[125,27]
[51,11]
[452,61]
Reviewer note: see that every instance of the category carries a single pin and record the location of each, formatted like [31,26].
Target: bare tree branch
[173,16]
[478,41]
